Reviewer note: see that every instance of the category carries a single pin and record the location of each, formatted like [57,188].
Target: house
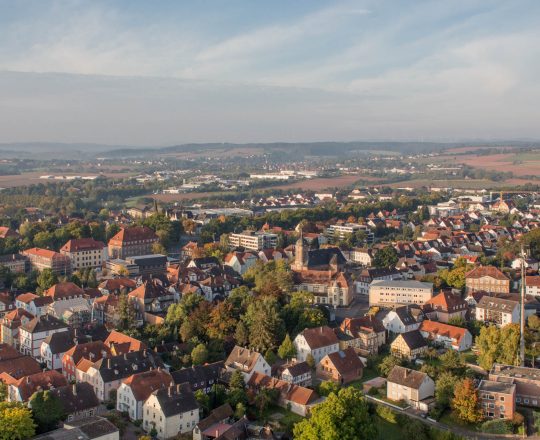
[527,381]
[532,285]
[488,279]
[450,336]
[14,365]
[171,411]
[390,293]
[366,333]
[91,351]
[410,345]
[119,343]
[64,291]
[53,348]
[341,367]
[402,320]
[297,399]
[215,425]
[241,261]
[11,323]
[497,399]
[34,332]
[371,274]
[134,390]
[46,259]
[202,377]
[32,303]
[85,253]
[252,240]
[16,263]
[413,387]
[497,310]
[106,374]
[22,389]
[446,306]
[362,256]
[247,361]
[79,401]
[317,342]
[297,373]
[91,428]
[117,286]
[132,241]
[151,297]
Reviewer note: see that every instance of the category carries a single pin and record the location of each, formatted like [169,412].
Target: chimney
[74,389]
[109,363]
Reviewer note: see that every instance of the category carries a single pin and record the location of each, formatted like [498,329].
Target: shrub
[386,413]
[137,422]
[496,427]
[518,419]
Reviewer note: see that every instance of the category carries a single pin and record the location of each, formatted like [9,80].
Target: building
[497,399]
[120,343]
[254,241]
[527,381]
[79,401]
[106,374]
[171,411]
[246,361]
[497,310]
[487,279]
[402,320]
[446,306]
[16,263]
[297,373]
[532,285]
[450,336]
[34,332]
[362,256]
[92,428]
[54,347]
[132,241]
[413,387]
[341,367]
[317,342]
[40,259]
[134,390]
[341,231]
[22,389]
[11,322]
[295,398]
[33,304]
[241,261]
[366,333]
[201,377]
[154,264]
[390,293]
[216,424]
[85,252]
[370,274]
[91,351]
[410,345]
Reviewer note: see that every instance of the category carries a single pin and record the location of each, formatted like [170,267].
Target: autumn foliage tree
[465,402]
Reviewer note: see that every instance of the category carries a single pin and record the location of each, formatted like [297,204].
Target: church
[322,272]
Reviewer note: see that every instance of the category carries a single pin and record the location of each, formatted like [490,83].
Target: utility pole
[522,317]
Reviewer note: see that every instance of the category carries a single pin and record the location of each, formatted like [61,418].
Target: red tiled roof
[44,380]
[320,337]
[438,328]
[533,281]
[144,384]
[486,271]
[64,290]
[134,233]
[123,343]
[82,244]
[290,392]
[46,253]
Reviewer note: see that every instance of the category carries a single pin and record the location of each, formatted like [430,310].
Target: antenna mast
[522,317]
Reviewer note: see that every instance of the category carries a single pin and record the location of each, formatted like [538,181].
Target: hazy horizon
[137,74]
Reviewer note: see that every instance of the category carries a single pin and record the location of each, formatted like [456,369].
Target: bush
[496,427]
[138,422]
[386,413]
[518,419]
[536,417]
[373,391]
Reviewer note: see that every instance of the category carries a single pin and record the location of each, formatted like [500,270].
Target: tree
[47,410]
[415,430]
[342,416]
[287,350]
[15,422]
[237,381]
[386,257]
[264,324]
[388,363]
[241,335]
[46,279]
[509,344]
[451,360]
[126,314]
[310,360]
[264,398]
[199,355]
[488,346]
[444,389]
[327,387]
[270,357]
[465,402]
[203,400]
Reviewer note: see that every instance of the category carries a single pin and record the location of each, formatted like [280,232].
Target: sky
[170,72]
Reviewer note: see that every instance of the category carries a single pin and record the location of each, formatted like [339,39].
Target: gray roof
[176,399]
[496,387]
[499,304]
[406,377]
[87,429]
[414,339]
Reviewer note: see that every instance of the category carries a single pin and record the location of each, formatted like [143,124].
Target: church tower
[300,249]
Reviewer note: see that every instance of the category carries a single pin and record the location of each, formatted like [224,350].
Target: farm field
[521,164]
[29,178]
[462,183]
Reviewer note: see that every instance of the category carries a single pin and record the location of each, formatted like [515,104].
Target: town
[406,308]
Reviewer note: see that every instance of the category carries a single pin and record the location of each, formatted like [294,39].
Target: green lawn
[448,418]
[288,420]
[387,430]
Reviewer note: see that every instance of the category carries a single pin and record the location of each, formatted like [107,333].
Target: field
[321,183]
[521,164]
[461,184]
[29,178]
